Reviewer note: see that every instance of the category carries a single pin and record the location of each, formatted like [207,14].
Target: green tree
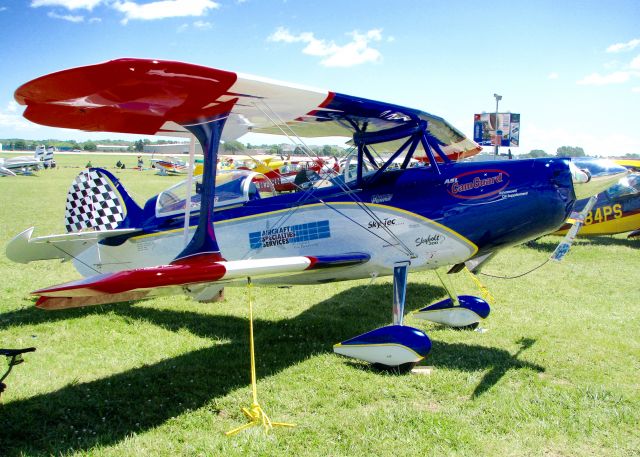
[90,146]
[138,146]
[19,145]
[537,153]
[275,149]
[233,146]
[570,151]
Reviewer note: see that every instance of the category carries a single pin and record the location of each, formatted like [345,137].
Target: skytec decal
[477,184]
[289,234]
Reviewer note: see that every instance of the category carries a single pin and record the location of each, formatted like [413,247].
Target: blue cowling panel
[475,304]
[414,339]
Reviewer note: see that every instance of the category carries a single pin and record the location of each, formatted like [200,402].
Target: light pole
[498,138]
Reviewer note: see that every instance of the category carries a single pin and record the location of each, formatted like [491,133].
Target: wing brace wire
[346,189]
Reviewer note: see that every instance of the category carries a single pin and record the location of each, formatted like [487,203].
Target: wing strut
[416,133]
[208,134]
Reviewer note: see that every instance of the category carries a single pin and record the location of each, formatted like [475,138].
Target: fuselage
[417,214]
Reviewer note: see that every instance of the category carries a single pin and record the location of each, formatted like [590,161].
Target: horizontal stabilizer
[24,249]
[179,277]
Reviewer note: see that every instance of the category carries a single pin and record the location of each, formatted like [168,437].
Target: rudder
[97,201]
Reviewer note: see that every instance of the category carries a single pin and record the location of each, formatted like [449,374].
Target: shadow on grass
[611,241]
[103,412]
[472,358]
[34,316]
[549,244]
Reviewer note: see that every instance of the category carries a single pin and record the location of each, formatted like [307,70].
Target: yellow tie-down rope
[255,413]
[481,287]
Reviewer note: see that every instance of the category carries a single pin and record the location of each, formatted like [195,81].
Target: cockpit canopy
[233,188]
[629,185]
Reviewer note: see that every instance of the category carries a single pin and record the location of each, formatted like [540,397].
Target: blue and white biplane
[376,218]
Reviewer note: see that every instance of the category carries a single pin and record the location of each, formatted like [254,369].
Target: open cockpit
[233,188]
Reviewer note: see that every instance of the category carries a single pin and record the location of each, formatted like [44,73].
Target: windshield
[233,187]
[629,185]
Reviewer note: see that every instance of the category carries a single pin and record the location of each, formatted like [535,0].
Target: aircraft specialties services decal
[289,234]
[476,184]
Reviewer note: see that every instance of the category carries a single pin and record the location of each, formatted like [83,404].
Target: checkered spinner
[92,203]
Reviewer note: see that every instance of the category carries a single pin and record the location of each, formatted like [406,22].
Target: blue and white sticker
[289,234]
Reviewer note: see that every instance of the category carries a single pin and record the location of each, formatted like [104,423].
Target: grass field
[556,373]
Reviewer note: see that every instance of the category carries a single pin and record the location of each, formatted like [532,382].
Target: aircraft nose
[592,176]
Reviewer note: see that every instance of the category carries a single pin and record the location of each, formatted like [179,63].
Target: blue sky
[571,68]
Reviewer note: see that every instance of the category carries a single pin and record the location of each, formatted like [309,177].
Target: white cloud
[3,8]
[94,20]
[66,17]
[11,119]
[199,25]
[12,107]
[596,79]
[68,4]
[635,63]
[202,25]
[356,52]
[163,9]
[622,47]
[636,89]
[553,75]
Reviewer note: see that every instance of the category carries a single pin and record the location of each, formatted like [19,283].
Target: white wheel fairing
[453,317]
[391,354]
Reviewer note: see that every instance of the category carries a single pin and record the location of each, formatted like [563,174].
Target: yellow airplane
[617,209]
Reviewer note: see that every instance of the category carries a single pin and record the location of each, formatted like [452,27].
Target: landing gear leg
[395,347]
[460,312]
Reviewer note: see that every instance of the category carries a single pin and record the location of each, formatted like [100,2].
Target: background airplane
[617,209]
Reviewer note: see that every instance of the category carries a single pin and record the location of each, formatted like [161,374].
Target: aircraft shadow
[106,411]
[542,245]
[464,357]
[549,245]
[612,241]
[35,316]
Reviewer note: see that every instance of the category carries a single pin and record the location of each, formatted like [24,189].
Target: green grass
[555,374]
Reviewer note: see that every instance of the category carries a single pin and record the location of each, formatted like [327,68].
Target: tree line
[568,151]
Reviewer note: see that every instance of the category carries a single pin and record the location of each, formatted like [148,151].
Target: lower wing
[179,277]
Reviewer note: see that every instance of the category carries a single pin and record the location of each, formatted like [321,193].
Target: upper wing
[160,97]
[182,274]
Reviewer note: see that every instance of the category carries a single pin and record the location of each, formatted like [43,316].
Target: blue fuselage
[435,217]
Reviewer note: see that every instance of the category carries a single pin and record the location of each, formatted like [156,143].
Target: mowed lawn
[555,373]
